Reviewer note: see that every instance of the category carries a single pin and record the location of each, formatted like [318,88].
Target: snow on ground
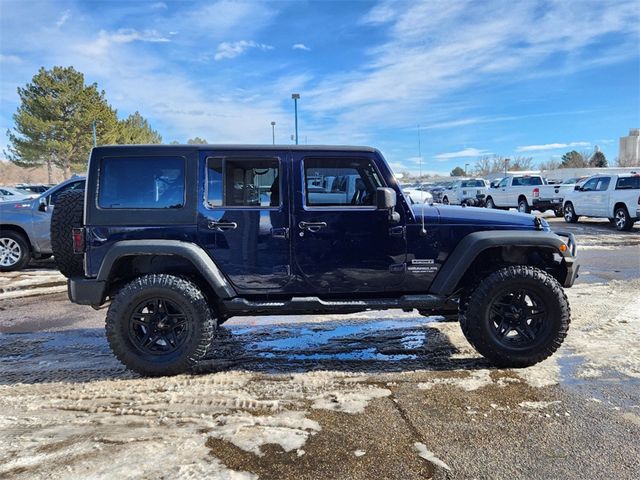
[68,408]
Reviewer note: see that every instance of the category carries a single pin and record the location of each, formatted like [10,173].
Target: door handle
[312,226]
[222,226]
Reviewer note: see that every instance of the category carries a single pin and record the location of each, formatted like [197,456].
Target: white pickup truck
[467,191]
[616,197]
[526,193]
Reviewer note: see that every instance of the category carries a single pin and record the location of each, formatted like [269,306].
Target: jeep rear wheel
[14,251]
[516,317]
[67,215]
[160,325]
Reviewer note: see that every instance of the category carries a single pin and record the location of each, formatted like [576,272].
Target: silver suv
[25,224]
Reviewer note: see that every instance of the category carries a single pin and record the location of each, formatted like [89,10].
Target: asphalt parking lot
[384,395]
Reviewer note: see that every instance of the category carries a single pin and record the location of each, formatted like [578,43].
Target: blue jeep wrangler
[181,238]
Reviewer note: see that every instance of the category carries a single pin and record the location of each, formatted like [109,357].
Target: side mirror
[577,188]
[385,198]
[42,204]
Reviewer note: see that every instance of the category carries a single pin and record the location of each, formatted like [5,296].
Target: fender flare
[189,251]
[458,262]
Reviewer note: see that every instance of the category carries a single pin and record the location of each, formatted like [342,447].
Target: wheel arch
[128,259]
[618,205]
[481,251]
[18,229]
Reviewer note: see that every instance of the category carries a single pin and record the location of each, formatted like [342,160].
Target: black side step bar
[314,305]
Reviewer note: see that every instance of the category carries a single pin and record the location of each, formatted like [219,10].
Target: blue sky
[533,78]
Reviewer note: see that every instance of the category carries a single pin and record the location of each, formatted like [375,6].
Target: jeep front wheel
[160,325]
[516,317]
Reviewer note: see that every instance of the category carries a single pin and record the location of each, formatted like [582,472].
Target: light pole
[295,97]
[273,133]
[93,128]
[506,166]
[465,168]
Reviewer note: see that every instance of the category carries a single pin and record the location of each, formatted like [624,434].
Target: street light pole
[465,168]
[506,166]
[93,127]
[295,97]
[273,133]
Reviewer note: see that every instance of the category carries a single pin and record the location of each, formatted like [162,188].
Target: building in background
[629,152]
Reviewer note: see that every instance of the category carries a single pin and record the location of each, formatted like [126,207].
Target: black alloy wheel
[158,326]
[518,318]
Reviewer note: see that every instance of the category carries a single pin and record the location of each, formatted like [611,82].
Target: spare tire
[68,214]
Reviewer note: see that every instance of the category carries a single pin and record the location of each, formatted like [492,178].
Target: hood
[457,215]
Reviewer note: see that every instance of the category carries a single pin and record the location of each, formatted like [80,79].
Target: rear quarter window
[156,182]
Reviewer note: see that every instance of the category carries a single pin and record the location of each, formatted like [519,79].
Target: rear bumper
[547,203]
[86,291]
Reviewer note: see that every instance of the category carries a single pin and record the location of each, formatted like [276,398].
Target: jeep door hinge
[282,233]
[398,231]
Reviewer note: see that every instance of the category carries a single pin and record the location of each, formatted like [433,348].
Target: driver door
[341,242]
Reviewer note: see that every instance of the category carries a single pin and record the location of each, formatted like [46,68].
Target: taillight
[78,240]
[536,192]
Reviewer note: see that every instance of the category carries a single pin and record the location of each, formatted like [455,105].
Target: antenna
[423,231]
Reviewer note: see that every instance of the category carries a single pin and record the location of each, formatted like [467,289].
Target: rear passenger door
[243,222]
[342,243]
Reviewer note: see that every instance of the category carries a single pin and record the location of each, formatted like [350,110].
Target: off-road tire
[181,292]
[523,206]
[622,220]
[477,326]
[570,213]
[16,241]
[67,215]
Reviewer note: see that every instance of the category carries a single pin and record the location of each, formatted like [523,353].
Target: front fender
[475,243]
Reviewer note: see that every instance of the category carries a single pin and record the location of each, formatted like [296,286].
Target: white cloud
[234,49]
[382,13]
[467,152]
[63,19]
[106,40]
[300,46]
[551,146]
[9,59]
[159,6]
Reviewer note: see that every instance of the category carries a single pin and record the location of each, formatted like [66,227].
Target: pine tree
[135,130]
[53,124]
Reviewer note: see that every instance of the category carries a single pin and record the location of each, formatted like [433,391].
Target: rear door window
[243,182]
[142,183]
[628,183]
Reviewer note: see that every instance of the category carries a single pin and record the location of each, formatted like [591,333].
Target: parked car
[9,194]
[526,193]
[25,224]
[34,188]
[470,191]
[174,266]
[437,192]
[418,195]
[616,197]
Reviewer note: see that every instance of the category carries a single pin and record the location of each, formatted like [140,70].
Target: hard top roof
[244,147]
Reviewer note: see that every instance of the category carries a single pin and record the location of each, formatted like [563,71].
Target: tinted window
[526,181]
[473,183]
[628,183]
[590,185]
[70,186]
[340,182]
[141,182]
[243,182]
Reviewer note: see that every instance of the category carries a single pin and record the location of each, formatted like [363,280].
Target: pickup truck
[526,193]
[241,230]
[616,197]
[465,192]
[25,224]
